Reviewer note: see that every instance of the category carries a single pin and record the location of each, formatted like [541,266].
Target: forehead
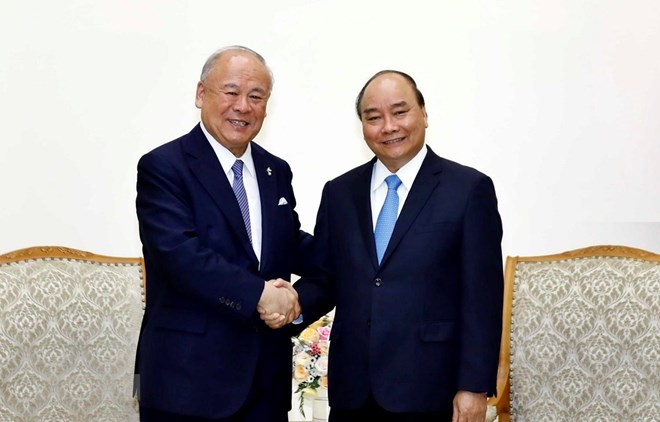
[240,68]
[387,89]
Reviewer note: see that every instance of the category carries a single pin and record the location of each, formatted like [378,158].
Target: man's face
[233,99]
[393,124]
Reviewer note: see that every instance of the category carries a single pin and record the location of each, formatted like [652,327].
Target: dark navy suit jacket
[202,340]
[426,322]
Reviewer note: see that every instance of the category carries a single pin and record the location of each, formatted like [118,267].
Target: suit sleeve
[303,264]
[482,291]
[316,290]
[172,244]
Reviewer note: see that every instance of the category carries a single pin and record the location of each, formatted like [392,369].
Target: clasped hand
[278,304]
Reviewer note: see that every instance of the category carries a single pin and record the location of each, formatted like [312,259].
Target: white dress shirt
[227,160]
[407,174]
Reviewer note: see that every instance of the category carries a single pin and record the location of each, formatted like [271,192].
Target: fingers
[279,282]
[274,320]
[469,407]
[274,299]
[294,307]
[278,304]
[294,312]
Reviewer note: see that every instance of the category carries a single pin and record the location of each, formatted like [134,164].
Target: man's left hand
[469,407]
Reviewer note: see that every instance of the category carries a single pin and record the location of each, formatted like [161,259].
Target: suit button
[378,282]
[222,300]
[238,306]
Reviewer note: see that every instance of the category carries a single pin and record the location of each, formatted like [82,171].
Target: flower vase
[320,408]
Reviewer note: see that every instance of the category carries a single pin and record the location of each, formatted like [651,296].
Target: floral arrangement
[310,359]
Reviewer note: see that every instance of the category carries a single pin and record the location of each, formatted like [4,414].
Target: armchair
[581,337]
[69,323]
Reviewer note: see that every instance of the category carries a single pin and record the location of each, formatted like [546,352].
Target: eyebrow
[259,90]
[395,105]
[232,85]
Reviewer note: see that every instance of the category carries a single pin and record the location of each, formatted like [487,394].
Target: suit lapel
[268,194]
[361,197]
[425,182]
[204,164]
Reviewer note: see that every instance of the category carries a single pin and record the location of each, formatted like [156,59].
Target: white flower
[302,359]
[321,365]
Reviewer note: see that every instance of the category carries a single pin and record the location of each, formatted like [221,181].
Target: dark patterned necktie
[241,196]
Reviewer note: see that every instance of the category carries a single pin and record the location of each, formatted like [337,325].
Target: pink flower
[324,333]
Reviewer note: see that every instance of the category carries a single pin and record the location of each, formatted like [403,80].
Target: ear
[199,95]
[426,117]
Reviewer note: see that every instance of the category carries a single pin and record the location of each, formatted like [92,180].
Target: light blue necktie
[241,196]
[387,216]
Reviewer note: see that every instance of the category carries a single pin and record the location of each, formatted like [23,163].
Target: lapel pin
[269,171]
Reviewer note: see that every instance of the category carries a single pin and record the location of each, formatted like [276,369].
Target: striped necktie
[241,196]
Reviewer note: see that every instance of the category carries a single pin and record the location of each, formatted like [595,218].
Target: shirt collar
[407,173]
[226,158]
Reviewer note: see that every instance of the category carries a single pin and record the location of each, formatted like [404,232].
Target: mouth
[237,123]
[394,141]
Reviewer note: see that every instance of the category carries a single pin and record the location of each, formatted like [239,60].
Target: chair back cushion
[69,323]
[585,339]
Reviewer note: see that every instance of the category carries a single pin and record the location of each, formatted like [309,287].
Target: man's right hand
[278,304]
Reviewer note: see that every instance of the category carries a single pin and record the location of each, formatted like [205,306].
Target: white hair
[208,65]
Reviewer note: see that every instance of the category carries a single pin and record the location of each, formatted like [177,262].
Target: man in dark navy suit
[411,243]
[218,226]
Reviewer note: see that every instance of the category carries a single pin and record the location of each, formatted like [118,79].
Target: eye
[400,112]
[231,93]
[373,118]
[256,97]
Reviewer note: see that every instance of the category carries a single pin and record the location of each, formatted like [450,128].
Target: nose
[389,125]
[241,104]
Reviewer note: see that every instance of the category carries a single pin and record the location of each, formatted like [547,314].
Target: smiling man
[411,244]
[218,225]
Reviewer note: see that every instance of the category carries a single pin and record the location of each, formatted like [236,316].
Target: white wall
[557,100]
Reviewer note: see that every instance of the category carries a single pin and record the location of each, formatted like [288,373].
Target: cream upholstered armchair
[581,337]
[69,323]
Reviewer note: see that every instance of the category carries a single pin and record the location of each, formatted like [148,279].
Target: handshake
[278,304]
